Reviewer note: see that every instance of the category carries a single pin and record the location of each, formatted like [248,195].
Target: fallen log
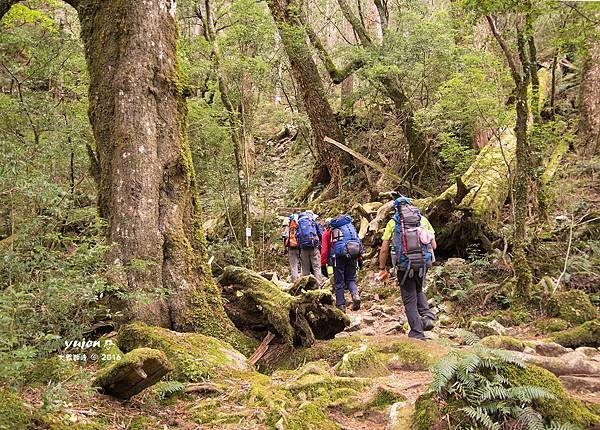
[257,305]
[136,371]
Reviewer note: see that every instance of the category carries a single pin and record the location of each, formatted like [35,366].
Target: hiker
[290,241]
[309,240]
[414,240]
[342,249]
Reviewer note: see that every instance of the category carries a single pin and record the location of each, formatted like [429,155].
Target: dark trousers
[344,275]
[415,304]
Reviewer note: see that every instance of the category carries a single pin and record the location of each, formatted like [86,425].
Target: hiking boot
[355,302]
[342,308]
[427,323]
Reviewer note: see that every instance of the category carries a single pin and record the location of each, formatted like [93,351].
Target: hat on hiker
[402,200]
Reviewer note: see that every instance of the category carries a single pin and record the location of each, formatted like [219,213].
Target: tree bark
[147,185]
[590,101]
[329,165]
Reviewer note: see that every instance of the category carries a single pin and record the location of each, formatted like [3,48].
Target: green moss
[195,357]
[14,415]
[564,409]
[363,361]
[309,417]
[427,413]
[408,356]
[573,306]
[130,361]
[384,398]
[550,325]
[108,352]
[586,334]
[143,423]
[50,369]
[503,342]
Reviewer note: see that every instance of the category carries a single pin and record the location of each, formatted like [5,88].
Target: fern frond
[166,389]
[480,416]
[468,337]
[530,419]
[528,393]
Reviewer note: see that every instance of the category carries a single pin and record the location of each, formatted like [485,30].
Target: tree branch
[359,29]
[510,56]
[337,75]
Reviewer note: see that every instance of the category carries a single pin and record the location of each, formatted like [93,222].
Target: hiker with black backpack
[342,249]
[309,240]
[290,242]
[414,241]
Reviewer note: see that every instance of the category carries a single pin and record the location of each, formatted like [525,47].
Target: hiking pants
[310,260]
[344,275]
[294,257]
[415,304]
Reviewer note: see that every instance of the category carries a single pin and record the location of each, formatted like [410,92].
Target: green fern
[166,389]
[472,381]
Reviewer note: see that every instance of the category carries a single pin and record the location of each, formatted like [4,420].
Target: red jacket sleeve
[325,247]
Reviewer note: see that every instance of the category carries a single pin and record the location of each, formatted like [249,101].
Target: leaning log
[136,371]
[258,305]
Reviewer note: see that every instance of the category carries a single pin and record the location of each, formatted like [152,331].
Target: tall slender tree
[329,166]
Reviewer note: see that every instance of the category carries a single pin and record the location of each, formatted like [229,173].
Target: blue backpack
[344,238]
[412,253]
[307,233]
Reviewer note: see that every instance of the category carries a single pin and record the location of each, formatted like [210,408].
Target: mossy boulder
[550,325]
[563,409]
[136,371]
[573,306]
[363,361]
[503,342]
[195,357]
[586,334]
[14,414]
[409,355]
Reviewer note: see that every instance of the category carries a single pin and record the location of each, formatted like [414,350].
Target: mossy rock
[363,362]
[14,414]
[573,306]
[308,416]
[586,334]
[409,356]
[137,370]
[428,413]
[550,325]
[143,423]
[564,409]
[386,291]
[108,352]
[503,342]
[195,357]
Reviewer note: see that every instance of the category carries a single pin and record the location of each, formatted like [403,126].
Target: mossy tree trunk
[329,166]
[519,65]
[590,99]
[147,184]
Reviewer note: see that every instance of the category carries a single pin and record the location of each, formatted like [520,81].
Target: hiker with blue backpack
[343,250]
[309,241]
[413,239]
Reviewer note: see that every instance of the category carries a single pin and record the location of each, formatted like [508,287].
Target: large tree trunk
[590,101]
[147,184]
[329,166]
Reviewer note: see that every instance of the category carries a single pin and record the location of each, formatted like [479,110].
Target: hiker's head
[327,222]
[402,200]
[311,214]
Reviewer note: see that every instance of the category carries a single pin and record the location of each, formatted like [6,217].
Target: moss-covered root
[573,306]
[195,357]
[258,304]
[503,342]
[137,370]
[564,409]
[586,334]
